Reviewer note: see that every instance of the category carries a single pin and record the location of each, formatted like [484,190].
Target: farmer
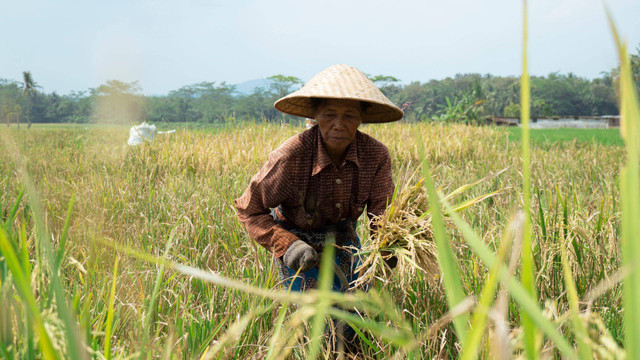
[320,181]
[315,186]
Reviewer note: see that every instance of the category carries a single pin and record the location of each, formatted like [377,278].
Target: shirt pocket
[358,205]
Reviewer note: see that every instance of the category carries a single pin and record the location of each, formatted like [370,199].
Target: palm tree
[28,90]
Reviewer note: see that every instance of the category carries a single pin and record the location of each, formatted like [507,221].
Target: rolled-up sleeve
[267,189]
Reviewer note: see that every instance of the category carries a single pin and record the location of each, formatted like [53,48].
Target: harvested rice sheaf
[404,232]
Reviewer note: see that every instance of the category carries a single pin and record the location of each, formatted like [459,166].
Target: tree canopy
[463,97]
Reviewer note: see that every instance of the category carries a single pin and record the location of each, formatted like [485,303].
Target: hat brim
[303,106]
[341,82]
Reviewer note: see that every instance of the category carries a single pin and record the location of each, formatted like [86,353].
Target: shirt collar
[322,159]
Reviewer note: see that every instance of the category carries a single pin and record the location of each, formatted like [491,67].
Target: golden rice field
[169,203]
[113,252]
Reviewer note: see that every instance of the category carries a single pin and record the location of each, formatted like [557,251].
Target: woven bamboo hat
[341,82]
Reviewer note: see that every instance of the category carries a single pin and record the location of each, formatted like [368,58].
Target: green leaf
[630,196]
[479,318]
[324,287]
[527,303]
[527,269]
[23,286]
[109,327]
[446,259]
[579,329]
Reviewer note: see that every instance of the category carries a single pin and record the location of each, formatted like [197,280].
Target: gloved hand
[300,255]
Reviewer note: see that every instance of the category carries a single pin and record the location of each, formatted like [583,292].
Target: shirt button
[338,181]
[309,221]
[338,205]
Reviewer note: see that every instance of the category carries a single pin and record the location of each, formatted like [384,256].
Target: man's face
[338,121]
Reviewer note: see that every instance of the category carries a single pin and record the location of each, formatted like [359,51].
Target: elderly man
[319,182]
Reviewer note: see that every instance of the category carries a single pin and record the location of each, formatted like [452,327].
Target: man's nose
[340,122]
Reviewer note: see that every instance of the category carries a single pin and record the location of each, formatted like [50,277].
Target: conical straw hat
[341,82]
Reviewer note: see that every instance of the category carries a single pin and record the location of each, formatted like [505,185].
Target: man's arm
[267,189]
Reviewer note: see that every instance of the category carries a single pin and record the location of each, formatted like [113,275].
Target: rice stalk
[527,265]
[404,232]
[630,196]
[109,325]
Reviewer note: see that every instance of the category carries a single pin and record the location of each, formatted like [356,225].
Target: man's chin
[340,144]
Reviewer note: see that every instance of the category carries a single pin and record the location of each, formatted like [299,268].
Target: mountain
[248,87]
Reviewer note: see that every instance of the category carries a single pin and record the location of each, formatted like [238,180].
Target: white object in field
[141,133]
[144,132]
[310,123]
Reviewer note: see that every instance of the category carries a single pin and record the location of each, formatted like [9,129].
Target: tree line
[464,97]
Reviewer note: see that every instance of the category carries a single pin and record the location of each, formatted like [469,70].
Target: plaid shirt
[309,191]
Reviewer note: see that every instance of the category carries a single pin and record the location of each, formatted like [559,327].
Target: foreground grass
[174,197]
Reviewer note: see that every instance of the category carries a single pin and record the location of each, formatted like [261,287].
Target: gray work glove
[300,255]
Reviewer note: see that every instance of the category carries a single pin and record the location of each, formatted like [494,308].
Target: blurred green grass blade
[399,337]
[477,199]
[112,297]
[279,324]
[527,269]
[65,232]
[14,209]
[541,215]
[310,298]
[277,329]
[75,348]
[446,259]
[149,317]
[24,250]
[479,318]
[524,299]
[233,334]
[5,352]
[579,329]
[630,196]
[466,187]
[23,285]
[373,348]
[325,284]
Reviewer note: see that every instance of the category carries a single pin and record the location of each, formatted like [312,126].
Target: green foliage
[467,109]
[512,110]
[28,91]
[383,80]
[450,99]
[283,84]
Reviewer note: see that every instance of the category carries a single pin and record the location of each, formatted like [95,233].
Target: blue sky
[74,45]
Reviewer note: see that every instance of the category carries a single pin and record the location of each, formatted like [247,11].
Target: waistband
[344,232]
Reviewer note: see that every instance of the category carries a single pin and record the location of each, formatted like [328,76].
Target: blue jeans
[345,259]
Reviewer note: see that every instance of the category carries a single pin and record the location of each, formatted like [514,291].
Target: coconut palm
[28,90]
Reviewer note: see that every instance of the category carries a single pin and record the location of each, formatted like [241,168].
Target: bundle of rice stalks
[403,233]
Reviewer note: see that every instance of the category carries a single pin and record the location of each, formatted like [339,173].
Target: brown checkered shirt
[309,192]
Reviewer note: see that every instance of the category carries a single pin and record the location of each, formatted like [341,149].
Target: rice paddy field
[541,137]
[110,251]
[171,199]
